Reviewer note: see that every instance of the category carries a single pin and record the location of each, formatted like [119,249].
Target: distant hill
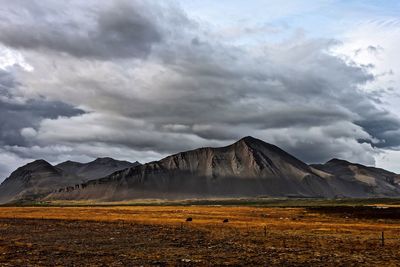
[39,178]
[356,180]
[95,169]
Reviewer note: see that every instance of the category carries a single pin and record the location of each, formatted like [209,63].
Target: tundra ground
[160,236]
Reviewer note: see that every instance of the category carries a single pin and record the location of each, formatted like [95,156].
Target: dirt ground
[160,236]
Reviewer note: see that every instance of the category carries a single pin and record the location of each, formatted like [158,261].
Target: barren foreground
[156,235]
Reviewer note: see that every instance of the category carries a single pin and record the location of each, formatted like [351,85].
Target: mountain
[356,180]
[39,178]
[249,167]
[33,179]
[96,169]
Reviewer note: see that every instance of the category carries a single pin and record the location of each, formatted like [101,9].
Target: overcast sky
[138,80]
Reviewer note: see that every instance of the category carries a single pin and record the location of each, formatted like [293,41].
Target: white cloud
[10,58]
[375,43]
[28,132]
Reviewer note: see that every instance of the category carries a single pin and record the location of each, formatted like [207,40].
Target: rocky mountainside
[98,168]
[39,178]
[356,180]
[249,167]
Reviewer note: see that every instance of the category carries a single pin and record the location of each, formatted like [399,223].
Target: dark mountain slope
[35,178]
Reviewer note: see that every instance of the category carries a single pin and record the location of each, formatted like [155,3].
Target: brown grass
[159,235]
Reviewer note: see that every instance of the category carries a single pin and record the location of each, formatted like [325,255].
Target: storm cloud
[87,29]
[136,80]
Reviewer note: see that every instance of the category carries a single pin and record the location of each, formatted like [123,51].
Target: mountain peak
[249,139]
[37,163]
[37,166]
[257,144]
[40,161]
[104,160]
[338,161]
[69,162]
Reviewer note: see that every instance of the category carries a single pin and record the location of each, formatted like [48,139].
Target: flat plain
[159,235]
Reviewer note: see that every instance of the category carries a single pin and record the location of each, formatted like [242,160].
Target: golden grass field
[160,236]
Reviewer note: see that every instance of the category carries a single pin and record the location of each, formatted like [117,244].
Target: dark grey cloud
[382,125]
[7,81]
[115,29]
[17,114]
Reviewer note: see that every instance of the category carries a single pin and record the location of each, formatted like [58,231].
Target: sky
[139,80]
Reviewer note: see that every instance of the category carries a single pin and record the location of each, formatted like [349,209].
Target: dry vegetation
[159,235]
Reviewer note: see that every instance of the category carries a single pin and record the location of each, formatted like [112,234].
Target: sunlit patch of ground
[160,235]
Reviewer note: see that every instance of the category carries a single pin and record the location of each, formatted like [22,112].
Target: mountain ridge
[249,167]
[95,169]
[39,177]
